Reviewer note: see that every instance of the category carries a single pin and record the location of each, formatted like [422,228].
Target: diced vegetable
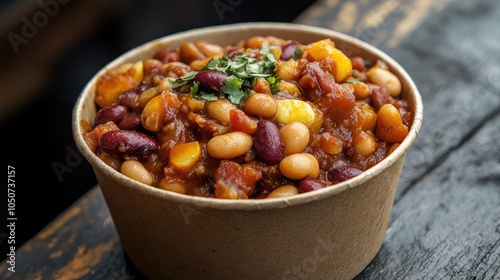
[292,110]
[326,49]
[186,155]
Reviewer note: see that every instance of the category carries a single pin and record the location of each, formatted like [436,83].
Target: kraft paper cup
[331,233]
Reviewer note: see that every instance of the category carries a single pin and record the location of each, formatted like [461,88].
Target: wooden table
[446,217]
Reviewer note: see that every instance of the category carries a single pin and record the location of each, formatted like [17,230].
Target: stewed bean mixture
[264,117]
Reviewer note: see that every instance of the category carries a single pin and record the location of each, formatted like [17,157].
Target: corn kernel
[186,155]
[292,110]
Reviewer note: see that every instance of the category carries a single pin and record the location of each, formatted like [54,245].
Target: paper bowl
[331,233]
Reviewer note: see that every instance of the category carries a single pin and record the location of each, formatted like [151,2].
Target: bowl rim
[252,204]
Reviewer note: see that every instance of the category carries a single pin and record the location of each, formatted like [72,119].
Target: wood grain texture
[446,218]
[79,244]
[445,222]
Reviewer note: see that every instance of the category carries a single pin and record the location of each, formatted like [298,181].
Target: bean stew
[264,117]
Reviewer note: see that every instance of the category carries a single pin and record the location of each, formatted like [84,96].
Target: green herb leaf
[353,80]
[233,89]
[208,96]
[194,88]
[233,80]
[297,53]
[367,63]
[243,70]
[235,95]
[273,83]
[183,80]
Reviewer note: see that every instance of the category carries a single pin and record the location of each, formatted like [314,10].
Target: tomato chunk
[234,180]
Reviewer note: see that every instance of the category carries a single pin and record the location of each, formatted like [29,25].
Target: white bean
[295,137]
[135,170]
[219,110]
[283,191]
[261,104]
[229,145]
[299,166]
[385,79]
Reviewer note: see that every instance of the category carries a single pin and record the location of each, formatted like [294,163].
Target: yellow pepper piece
[326,49]
[153,115]
[292,110]
[289,88]
[321,49]
[116,81]
[186,155]
[137,71]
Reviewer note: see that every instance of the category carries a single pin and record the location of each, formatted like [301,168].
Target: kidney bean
[288,50]
[166,55]
[130,97]
[268,143]
[130,122]
[211,79]
[379,96]
[358,63]
[344,172]
[308,184]
[119,142]
[232,52]
[114,113]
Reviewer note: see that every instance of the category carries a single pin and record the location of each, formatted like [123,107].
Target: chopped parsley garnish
[184,79]
[242,70]
[273,83]
[367,63]
[297,53]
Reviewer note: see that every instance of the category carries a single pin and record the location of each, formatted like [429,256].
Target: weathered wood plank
[454,210]
[446,219]
[448,226]
[80,244]
[440,49]
[450,188]
[456,78]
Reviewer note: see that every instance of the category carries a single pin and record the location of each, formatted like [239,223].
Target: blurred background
[49,49]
